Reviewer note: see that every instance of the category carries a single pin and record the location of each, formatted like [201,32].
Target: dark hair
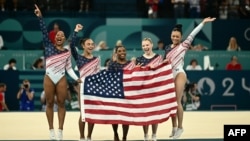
[2,85]
[55,23]
[193,60]
[160,41]
[12,60]
[107,61]
[234,56]
[39,60]
[178,27]
[82,41]
[189,86]
[117,47]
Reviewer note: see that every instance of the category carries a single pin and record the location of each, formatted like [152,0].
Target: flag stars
[105,84]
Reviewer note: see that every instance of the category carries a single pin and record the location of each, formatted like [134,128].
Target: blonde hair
[233,45]
[25,81]
[148,39]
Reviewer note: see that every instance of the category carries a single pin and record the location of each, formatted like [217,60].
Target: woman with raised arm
[58,59]
[87,64]
[175,54]
[119,63]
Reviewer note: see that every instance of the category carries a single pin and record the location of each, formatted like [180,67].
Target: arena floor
[198,126]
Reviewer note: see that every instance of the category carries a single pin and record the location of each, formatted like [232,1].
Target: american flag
[140,96]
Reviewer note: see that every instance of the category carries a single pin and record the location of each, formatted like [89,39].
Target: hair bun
[178,26]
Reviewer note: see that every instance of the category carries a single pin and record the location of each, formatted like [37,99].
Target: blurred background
[218,45]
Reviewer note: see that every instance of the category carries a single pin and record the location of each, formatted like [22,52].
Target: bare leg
[125,132]
[115,128]
[49,90]
[145,130]
[180,82]
[61,93]
[174,119]
[81,128]
[81,124]
[154,128]
[90,129]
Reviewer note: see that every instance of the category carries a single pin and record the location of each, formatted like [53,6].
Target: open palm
[208,19]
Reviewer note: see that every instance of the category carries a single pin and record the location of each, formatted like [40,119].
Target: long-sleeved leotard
[85,66]
[176,55]
[154,61]
[56,61]
[113,65]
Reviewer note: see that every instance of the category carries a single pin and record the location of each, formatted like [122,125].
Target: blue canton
[106,83]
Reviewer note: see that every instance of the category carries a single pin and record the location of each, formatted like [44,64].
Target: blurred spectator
[244,9]
[234,64]
[193,65]
[2,4]
[233,45]
[84,5]
[72,102]
[163,8]
[152,8]
[119,43]
[52,33]
[198,47]
[203,8]
[43,102]
[55,5]
[15,4]
[160,45]
[212,8]
[26,96]
[106,63]
[133,59]
[101,46]
[11,65]
[233,8]
[191,98]
[38,64]
[179,8]
[194,8]
[223,9]
[11,5]
[3,105]
[1,43]
[72,5]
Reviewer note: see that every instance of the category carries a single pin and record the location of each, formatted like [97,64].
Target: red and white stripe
[58,63]
[157,61]
[176,55]
[129,66]
[90,68]
[149,99]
